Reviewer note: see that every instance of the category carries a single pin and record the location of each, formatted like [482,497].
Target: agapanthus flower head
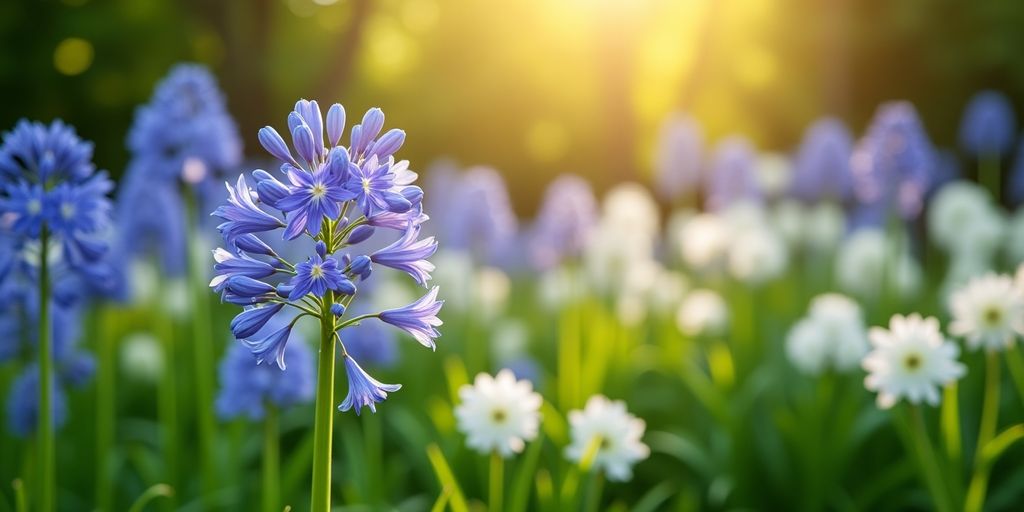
[567,216]
[185,132]
[616,433]
[1015,190]
[679,157]
[151,220]
[47,180]
[329,202]
[247,388]
[989,125]
[731,174]
[822,165]
[988,312]
[894,164]
[910,360]
[498,414]
[479,219]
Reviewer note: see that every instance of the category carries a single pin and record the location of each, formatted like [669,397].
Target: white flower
[963,218]
[757,255]
[789,218]
[988,312]
[910,360]
[702,312]
[491,291]
[703,241]
[630,207]
[498,414]
[616,433]
[867,265]
[831,335]
[142,358]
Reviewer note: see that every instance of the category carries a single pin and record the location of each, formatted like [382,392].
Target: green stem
[594,491]
[990,176]
[1015,362]
[167,401]
[986,431]
[20,503]
[47,444]
[202,349]
[156,491]
[271,461]
[928,461]
[106,413]
[324,424]
[497,482]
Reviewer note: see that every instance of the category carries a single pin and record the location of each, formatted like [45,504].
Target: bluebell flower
[338,198]
[186,121]
[363,390]
[317,275]
[678,160]
[316,196]
[151,221]
[989,126]
[479,217]
[418,319]
[821,168]
[1015,189]
[73,204]
[567,217]
[894,164]
[409,255]
[732,177]
[246,387]
[241,215]
[372,183]
[23,403]
[228,265]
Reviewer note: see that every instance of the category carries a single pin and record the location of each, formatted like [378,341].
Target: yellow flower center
[316,272]
[912,362]
[34,207]
[318,191]
[67,210]
[366,184]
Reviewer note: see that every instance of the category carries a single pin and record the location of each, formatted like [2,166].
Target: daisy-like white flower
[831,335]
[910,360]
[616,432]
[498,414]
[988,312]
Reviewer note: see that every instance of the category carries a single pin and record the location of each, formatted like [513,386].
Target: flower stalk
[47,484]
[324,422]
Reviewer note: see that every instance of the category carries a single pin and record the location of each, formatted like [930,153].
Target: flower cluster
[246,388]
[334,197]
[832,335]
[184,135]
[52,202]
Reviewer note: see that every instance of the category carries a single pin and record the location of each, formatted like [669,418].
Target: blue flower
[477,216]
[363,390]
[228,265]
[732,177]
[822,165]
[409,255]
[678,160]
[567,216]
[338,198]
[989,126]
[314,197]
[25,203]
[241,215]
[47,179]
[247,387]
[184,126]
[271,347]
[151,220]
[317,275]
[418,319]
[23,403]
[372,183]
[894,164]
